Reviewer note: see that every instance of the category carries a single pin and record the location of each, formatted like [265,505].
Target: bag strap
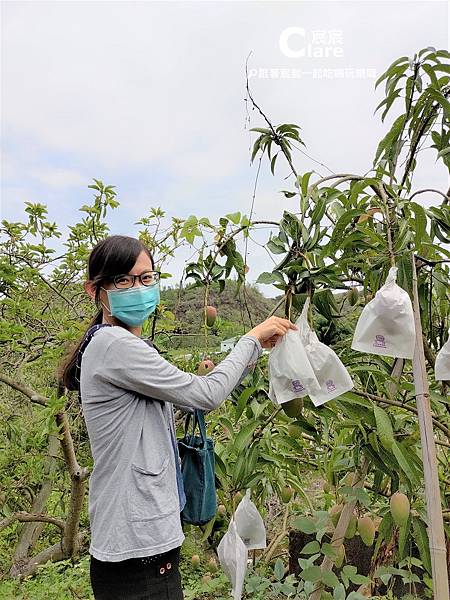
[199,419]
[84,344]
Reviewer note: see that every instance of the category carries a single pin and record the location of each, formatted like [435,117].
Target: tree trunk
[31,531]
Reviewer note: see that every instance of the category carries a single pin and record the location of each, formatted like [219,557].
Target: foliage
[341,232]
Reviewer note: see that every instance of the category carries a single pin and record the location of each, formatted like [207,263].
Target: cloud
[149,96]
[58,178]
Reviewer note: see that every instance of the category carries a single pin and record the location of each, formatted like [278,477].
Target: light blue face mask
[132,306]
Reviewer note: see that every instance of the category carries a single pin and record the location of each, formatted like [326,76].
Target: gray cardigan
[133,498]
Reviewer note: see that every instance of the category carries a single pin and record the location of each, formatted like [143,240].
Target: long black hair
[114,255]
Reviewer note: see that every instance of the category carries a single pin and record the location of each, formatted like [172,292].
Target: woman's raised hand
[271,330]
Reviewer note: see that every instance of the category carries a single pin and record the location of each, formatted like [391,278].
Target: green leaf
[421,538]
[429,70]
[359,579]
[288,194]
[274,277]
[311,548]
[341,225]
[403,538]
[328,550]
[260,130]
[442,100]
[388,101]
[405,465]
[329,578]
[390,137]
[420,223]
[276,246]
[256,147]
[319,210]
[272,163]
[388,72]
[383,574]
[242,402]
[444,152]
[384,427]
[278,569]
[305,524]
[234,217]
[290,225]
[244,435]
[404,276]
[304,181]
[311,574]
[339,592]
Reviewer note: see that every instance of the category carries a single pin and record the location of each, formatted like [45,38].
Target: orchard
[355,493]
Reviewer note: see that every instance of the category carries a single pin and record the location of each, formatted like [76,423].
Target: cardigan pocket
[152,493]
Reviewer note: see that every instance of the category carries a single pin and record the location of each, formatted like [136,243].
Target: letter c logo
[284,42]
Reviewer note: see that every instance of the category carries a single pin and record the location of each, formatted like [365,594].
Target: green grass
[53,581]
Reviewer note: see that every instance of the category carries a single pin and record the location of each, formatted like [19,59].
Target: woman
[127,391]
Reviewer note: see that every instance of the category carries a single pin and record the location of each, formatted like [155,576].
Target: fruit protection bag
[290,372]
[233,557]
[442,364]
[331,374]
[249,524]
[386,324]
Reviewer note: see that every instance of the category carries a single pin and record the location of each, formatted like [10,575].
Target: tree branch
[30,393]
[78,476]
[412,409]
[25,517]
[445,196]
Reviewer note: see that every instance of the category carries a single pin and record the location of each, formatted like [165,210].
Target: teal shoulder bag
[197,467]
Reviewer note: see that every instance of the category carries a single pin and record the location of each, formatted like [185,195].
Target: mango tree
[341,234]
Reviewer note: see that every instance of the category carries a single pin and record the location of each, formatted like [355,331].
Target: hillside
[186,329]
[233,318]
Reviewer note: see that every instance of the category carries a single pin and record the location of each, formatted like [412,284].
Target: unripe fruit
[293,408]
[221,509]
[205,366]
[195,560]
[399,508]
[211,314]
[340,556]
[206,579]
[351,529]
[366,529]
[294,431]
[335,513]
[352,296]
[286,493]
[212,565]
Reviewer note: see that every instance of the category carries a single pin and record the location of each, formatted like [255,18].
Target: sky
[150,97]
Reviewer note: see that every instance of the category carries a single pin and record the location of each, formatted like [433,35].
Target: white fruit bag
[331,374]
[233,557]
[250,525]
[290,373]
[386,324]
[442,364]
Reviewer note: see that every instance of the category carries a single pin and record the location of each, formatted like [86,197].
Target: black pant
[138,578]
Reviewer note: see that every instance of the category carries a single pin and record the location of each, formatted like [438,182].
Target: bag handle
[199,419]
[87,338]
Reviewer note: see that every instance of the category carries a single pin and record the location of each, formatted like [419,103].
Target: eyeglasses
[127,281]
